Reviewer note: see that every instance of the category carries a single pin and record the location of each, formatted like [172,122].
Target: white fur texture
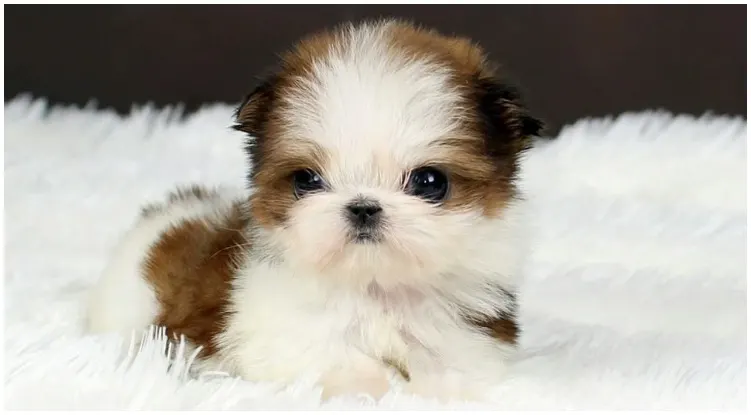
[634,295]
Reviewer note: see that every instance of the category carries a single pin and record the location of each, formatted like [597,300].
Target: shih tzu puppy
[382,234]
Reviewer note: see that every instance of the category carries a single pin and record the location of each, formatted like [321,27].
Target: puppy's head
[379,150]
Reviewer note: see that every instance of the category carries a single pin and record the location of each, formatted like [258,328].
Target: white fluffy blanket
[635,295]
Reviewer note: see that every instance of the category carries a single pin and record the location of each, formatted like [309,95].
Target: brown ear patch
[503,129]
[252,114]
[190,268]
[502,111]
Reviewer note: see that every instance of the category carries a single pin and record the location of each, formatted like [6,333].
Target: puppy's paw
[446,388]
[372,381]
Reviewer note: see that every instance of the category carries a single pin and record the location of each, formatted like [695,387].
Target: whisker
[237,245]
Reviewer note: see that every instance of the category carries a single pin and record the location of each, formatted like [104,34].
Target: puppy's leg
[283,329]
[339,369]
[462,368]
[122,301]
[362,376]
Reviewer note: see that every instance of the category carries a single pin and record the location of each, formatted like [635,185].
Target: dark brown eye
[306,181]
[428,183]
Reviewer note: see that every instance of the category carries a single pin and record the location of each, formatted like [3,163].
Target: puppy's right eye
[306,181]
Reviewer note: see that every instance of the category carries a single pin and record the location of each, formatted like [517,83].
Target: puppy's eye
[428,183]
[306,181]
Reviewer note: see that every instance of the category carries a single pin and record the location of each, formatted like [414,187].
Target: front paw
[373,382]
[446,388]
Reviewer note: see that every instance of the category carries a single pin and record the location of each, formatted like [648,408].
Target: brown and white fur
[277,286]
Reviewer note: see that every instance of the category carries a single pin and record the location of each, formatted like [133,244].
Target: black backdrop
[573,61]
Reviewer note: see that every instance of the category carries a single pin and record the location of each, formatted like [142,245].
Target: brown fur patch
[190,268]
[299,60]
[504,329]
[274,194]
[461,54]
[474,178]
[503,326]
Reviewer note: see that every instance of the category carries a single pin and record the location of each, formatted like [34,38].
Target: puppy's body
[383,231]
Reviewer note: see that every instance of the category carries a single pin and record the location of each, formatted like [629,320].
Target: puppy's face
[380,151]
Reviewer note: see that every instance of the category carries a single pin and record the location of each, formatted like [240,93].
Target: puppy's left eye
[307,181]
[428,183]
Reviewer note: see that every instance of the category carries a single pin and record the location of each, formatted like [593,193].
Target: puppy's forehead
[376,93]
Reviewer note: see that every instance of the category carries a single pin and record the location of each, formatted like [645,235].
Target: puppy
[383,232]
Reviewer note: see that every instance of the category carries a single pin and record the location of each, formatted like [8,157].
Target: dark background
[572,61]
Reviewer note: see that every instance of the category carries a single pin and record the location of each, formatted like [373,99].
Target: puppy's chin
[414,245]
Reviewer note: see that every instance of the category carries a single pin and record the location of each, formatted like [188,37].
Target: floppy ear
[504,115]
[251,116]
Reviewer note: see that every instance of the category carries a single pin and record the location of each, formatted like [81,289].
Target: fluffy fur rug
[635,295]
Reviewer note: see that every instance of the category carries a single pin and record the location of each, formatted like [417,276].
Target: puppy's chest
[390,323]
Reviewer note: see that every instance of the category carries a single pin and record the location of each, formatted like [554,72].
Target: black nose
[364,213]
